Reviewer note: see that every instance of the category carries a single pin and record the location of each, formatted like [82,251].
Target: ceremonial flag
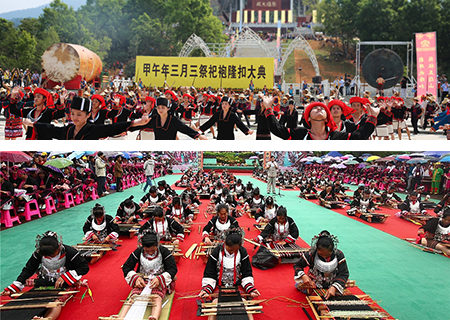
[426,63]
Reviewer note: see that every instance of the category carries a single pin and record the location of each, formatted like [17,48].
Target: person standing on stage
[149,167]
[271,168]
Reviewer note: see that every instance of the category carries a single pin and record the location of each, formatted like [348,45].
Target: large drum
[63,62]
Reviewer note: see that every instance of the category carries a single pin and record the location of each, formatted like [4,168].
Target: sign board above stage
[426,63]
[268,5]
[205,72]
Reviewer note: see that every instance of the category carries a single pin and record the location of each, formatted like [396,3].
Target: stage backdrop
[205,72]
[426,63]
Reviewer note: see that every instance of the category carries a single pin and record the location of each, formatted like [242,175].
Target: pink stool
[128,182]
[79,198]
[94,194]
[31,209]
[7,219]
[68,200]
[50,205]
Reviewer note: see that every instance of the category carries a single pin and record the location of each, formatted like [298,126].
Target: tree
[62,18]
[9,36]
[27,48]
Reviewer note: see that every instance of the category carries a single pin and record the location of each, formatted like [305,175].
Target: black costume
[214,226]
[324,272]
[225,125]
[45,131]
[169,131]
[68,264]
[217,272]
[124,213]
[103,230]
[362,133]
[183,213]
[162,266]
[287,232]
[165,229]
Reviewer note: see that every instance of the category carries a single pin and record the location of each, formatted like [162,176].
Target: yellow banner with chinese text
[205,72]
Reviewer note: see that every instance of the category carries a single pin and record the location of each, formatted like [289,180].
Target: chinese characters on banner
[426,63]
[266,5]
[205,72]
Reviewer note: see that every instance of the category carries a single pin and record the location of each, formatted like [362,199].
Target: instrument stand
[279,191]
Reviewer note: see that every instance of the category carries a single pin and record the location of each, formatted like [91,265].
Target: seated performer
[308,191]
[389,198]
[411,206]
[254,202]
[328,200]
[359,192]
[443,205]
[267,211]
[327,266]
[81,128]
[229,265]
[190,198]
[56,264]
[164,227]
[435,231]
[128,211]
[100,227]
[281,229]
[364,208]
[150,265]
[152,198]
[179,211]
[219,224]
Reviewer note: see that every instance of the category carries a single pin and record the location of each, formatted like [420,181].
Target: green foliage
[387,20]
[228,156]
[116,30]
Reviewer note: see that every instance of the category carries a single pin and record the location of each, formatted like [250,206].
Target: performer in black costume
[80,129]
[327,266]
[100,227]
[226,119]
[219,224]
[164,227]
[56,264]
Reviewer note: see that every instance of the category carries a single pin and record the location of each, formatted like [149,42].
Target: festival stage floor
[407,282]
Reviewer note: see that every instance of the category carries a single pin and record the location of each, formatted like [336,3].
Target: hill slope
[18,15]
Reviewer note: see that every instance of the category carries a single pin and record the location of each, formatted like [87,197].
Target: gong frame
[409,60]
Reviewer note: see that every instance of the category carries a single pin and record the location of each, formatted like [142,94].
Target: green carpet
[407,282]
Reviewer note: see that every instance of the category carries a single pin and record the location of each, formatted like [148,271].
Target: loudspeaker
[317,79]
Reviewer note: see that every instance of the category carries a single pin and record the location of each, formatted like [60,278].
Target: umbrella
[403,157]
[304,160]
[76,155]
[416,160]
[445,159]
[351,162]
[390,158]
[309,162]
[59,163]
[362,165]
[334,165]
[14,156]
[53,170]
[443,156]
[436,154]
[372,158]
[366,155]
[57,153]
[256,157]
[341,166]
[334,154]
[417,155]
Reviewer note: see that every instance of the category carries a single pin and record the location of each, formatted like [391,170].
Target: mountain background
[17,15]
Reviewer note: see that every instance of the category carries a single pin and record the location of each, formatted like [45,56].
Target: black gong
[385,62]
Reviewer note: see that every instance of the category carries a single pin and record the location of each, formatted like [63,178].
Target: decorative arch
[192,43]
[300,43]
[245,36]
